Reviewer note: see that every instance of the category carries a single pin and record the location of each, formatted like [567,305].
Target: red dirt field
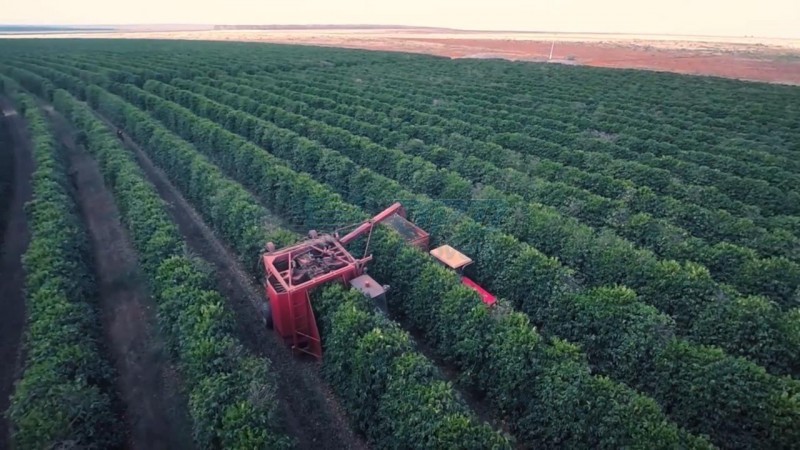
[729,64]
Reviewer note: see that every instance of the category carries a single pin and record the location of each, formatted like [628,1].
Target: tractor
[291,273]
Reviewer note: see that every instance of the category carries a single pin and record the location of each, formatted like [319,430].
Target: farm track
[150,386]
[313,416]
[12,274]
[454,376]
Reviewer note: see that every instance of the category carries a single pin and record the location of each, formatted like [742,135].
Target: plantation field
[641,231]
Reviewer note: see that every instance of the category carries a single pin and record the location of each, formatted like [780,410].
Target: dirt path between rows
[313,416]
[12,275]
[475,401]
[156,408]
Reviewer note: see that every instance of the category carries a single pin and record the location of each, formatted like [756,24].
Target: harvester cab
[291,273]
[372,290]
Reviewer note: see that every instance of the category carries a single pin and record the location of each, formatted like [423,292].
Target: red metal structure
[458,261]
[293,272]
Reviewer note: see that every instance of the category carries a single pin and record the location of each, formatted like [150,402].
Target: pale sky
[763,18]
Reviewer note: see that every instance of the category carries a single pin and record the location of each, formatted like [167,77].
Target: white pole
[551,50]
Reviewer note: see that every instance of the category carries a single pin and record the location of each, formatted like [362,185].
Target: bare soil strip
[12,276]
[313,416]
[473,399]
[149,385]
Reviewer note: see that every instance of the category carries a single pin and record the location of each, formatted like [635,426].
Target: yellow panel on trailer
[451,257]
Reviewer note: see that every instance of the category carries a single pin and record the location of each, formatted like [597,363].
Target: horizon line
[322,26]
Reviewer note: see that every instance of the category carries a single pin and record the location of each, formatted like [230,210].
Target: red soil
[730,64]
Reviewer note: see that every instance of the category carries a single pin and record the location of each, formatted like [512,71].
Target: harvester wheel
[270,247]
[266,315]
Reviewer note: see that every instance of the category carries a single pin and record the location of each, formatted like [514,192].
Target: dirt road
[13,245]
[155,409]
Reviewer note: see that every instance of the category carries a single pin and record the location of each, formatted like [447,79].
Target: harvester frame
[293,272]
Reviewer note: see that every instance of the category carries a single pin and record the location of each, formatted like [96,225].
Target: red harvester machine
[293,272]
